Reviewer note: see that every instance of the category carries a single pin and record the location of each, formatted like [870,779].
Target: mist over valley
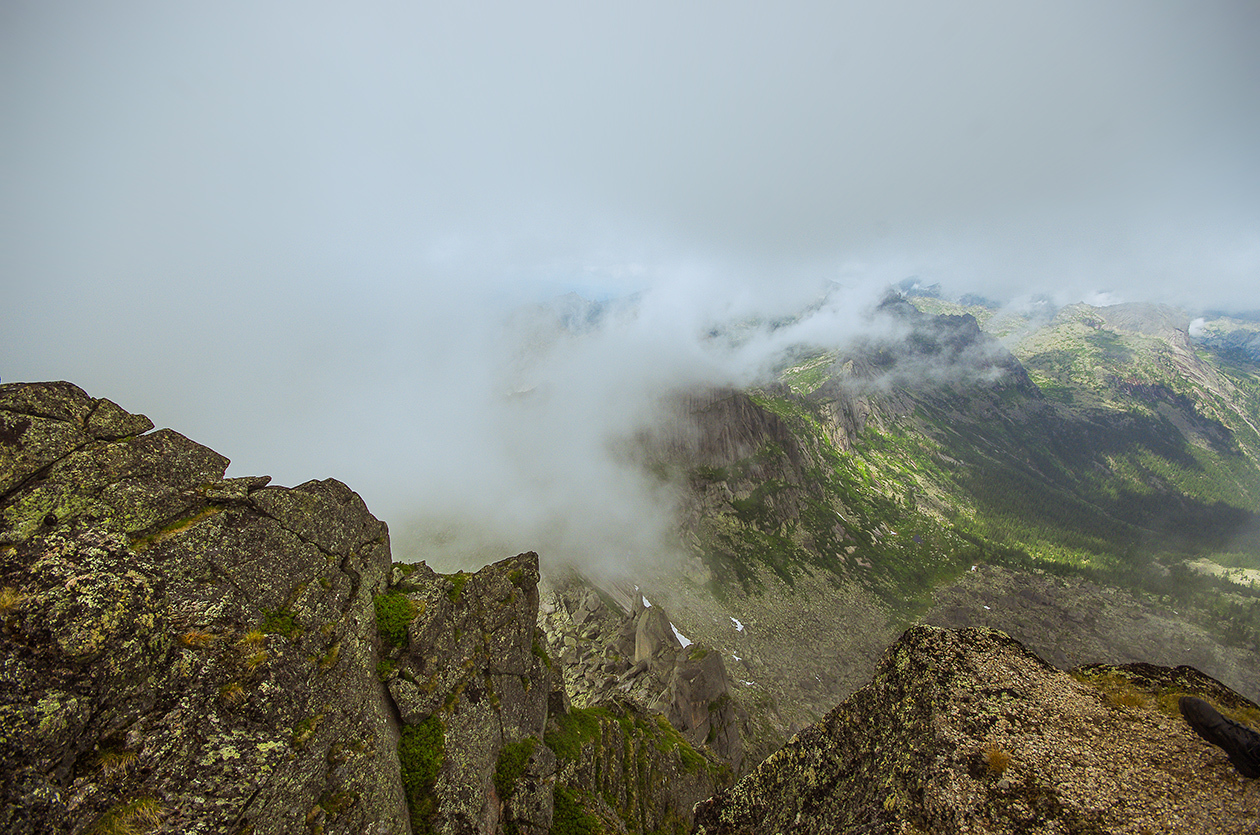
[573,419]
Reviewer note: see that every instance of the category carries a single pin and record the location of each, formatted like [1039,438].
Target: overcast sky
[292,230]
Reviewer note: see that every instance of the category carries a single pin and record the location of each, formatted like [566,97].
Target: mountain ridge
[188,653]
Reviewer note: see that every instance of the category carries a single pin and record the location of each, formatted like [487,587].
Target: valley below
[947,580]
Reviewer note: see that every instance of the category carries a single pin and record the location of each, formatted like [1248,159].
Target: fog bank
[304,233]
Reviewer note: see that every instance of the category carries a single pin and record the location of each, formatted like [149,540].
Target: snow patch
[646,604]
[739,627]
[682,639]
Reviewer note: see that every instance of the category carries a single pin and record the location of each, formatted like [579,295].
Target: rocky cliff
[967,731]
[180,652]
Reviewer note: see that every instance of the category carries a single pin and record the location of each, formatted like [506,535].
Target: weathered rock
[649,776]
[469,668]
[698,703]
[967,731]
[654,636]
[179,651]
[688,686]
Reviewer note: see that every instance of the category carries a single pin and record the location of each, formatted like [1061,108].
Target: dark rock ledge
[967,731]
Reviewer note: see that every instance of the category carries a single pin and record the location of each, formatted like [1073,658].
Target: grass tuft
[10,600]
[114,761]
[253,640]
[996,760]
[134,817]
[232,693]
[197,639]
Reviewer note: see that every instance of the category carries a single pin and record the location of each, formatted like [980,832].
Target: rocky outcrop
[490,741]
[181,652]
[473,688]
[632,655]
[967,731]
[630,769]
[1070,621]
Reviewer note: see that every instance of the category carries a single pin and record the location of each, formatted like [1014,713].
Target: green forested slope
[1105,442]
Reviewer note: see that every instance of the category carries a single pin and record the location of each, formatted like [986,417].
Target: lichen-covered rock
[180,652]
[631,768]
[465,663]
[967,731]
[633,655]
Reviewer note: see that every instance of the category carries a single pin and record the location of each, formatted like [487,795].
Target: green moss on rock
[511,765]
[421,752]
[570,817]
[458,580]
[280,622]
[394,613]
[540,653]
[572,730]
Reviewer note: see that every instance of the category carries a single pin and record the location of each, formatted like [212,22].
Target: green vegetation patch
[805,377]
[335,803]
[394,613]
[1122,692]
[511,765]
[667,738]
[421,752]
[280,622]
[540,653]
[571,817]
[304,730]
[132,817]
[173,529]
[572,730]
[458,580]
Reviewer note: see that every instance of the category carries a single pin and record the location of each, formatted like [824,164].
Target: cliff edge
[185,653]
[180,651]
[967,731]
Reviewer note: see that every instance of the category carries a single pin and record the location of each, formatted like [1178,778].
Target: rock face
[630,769]
[967,731]
[608,653]
[184,653]
[473,690]
[179,650]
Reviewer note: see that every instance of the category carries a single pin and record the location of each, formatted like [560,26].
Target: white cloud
[295,231]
